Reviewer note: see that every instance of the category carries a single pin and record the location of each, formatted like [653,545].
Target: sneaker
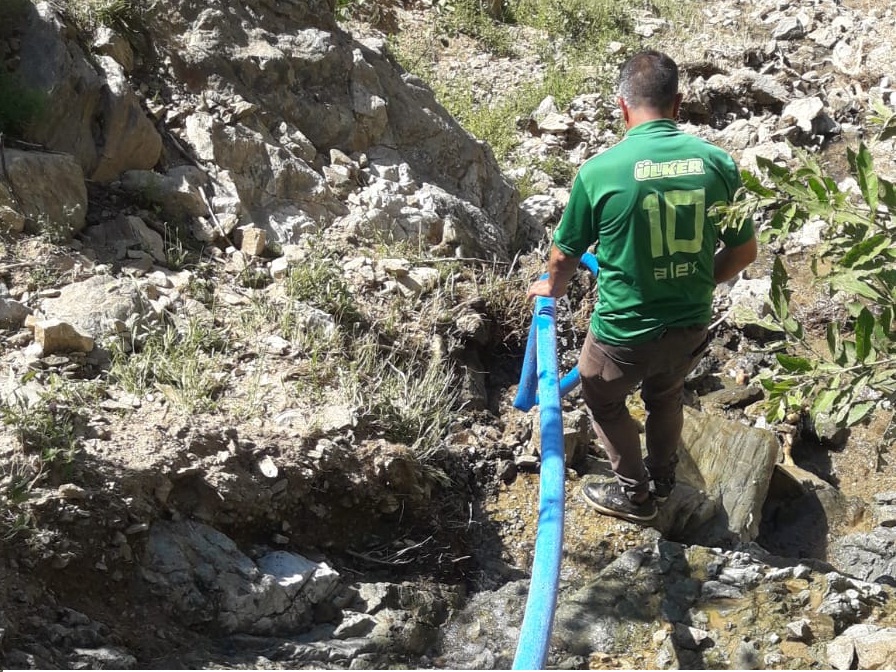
[611,499]
[661,488]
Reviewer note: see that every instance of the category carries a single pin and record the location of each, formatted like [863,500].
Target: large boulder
[724,473]
[91,111]
[99,306]
[205,578]
[47,188]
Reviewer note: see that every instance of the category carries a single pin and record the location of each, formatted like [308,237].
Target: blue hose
[527,393]
[540,365]
[535,634]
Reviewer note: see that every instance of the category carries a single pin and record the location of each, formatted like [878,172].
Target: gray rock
[176,192]
[375,596]
[92,113]
[738,485]
[47,188]
[207,579]
[148,240]
[254,242]
[344,94]
[749,301]
[790,28]
[716,590]
[799,631]
[803,112]
[355,625]
[877,650]
[869,555]
[11,220]
[103,658]
[841,652]
[316,581]
[689,637]
[12,314]
[95,305]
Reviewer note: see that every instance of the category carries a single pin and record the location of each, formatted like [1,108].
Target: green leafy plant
[581,22]
[47,430]
[846,375]
[20,104]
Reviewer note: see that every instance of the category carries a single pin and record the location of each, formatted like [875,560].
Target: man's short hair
[649,79]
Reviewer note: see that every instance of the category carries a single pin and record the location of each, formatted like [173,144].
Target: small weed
[505,302]
[408,399]
[126,16]
[45,428]
[41,277]
[181,249]
[319,283]
[184,363]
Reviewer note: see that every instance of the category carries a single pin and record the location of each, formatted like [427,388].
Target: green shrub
[846,377]
[589,23]
[497,125]
[20,104]
[318,281]
[409,399]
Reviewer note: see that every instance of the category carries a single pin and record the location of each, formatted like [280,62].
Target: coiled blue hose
[540,383]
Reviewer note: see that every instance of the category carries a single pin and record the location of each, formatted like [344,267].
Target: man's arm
[729,261]
[561,268]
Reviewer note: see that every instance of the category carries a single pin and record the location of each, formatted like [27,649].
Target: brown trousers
[610,372]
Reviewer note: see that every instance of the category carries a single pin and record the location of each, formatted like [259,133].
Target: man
[646,204]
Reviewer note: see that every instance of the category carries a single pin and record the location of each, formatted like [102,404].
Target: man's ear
[622,106]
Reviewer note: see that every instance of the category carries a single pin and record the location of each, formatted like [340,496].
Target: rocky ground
[215,452]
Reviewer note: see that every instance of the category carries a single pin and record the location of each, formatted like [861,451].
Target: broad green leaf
[778,294]
[754,184]
[866,251]
[777,386]
[864,329]
[824,402]
[848,355]
[887,193]
[882,325]
[792,327]
[866,177]
[889,129]
[817,186]
[772,169]
[833,338]
[859,412]
[775,413]
[883,376]
[794,364]
[850,282]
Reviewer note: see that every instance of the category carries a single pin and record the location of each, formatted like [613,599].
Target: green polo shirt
[645,202]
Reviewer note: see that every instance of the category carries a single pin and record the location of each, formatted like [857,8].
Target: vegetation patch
[844,378]
[20,104]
